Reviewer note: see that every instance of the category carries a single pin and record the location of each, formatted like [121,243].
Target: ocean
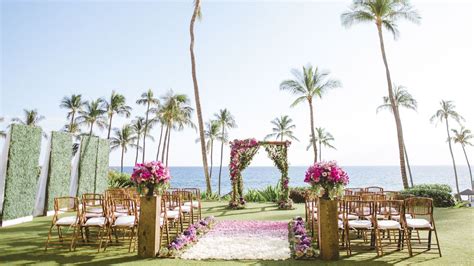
[360,176]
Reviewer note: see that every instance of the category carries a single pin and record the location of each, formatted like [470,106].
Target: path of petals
[243,240]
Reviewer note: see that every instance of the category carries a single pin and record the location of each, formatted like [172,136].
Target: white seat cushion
[96,221]
[349,217]
[340,224]
[93,214]
[418,223]
[171,214]
[128,220]
[120,214]
[68,220]
[195,204]
[397,217]
[388,224]
[94,209]
[185,209]
[360,224]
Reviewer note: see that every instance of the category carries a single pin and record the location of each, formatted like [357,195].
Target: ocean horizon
[256,177]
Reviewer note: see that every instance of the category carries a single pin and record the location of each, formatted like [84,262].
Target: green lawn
[24,244]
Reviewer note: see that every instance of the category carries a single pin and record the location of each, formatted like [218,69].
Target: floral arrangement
[151,175]
[188,237]
[328,176]
[300,243]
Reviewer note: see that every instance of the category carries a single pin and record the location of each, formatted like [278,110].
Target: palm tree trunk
[163,152]
[121,160]
[145,130]
[72,121]
[408,164]
[452,157]
[138,146]
[320,152]
[110,126]
[90,132]
[220,165]
[212,149]
[313,136]
[168,147]
[396,114]
[468,166]
[197,6]
[159,143]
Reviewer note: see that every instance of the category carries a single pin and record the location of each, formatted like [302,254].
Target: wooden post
[149,240]
[328,229]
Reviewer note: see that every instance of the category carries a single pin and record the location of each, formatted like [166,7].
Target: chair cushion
[120,214]
[360,224]
[94,209]
[128,220]
[388,224]
[68,220]
[349,217]
[185,209]
[93,214]
[171,214]
[418,223]
[195,204]
[96,221]
[340,224]
[397,217]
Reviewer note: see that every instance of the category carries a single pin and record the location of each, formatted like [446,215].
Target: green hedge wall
[59,174]
[22,172]
[87,165]
[102,168]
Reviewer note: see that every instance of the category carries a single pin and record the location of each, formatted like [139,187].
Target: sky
[244,50]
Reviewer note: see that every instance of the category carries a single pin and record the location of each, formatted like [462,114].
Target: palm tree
[443,114]
[226,121]
[386,14]
[212,133]
[93,114]
[176,115]
[31,118]
[3,134]
[309,83]
[322,138]
[148,99]
[74,105]
[464,137]
[197,15]
[116,105]
[402,99]
[158,119]
[282,128]
[123,138]
[138,126]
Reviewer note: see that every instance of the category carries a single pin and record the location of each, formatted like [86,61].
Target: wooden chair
[92,205]
[372,197]
[421,211]
[311,214]
[170,209]
[391,195]
[386,226]
[365,210]
[116,193]
[196,192]
[342,208]
[186,211]
[374,189]
[66,215]
[123,217]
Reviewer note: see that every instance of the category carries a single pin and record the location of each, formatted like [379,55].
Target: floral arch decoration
[242,153]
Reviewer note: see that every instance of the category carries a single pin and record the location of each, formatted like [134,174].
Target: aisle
[243,240]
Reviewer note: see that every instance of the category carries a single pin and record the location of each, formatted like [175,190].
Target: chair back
[390,208]
[373,196]
[374,189]
[116,193]
[361,209]
[66,206]
[352,197]
[93,205]
[392,195]
[122,207]
[419,206]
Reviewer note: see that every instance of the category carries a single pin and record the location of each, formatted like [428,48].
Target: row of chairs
[387,221]
[116,212]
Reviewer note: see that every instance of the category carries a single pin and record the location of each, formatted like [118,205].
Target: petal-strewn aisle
[251,240]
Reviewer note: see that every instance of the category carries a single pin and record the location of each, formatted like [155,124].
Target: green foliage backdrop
[22,172]
[87,165]
[59,173]
[102,166]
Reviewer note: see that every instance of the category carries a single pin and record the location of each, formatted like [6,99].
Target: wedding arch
[242,153]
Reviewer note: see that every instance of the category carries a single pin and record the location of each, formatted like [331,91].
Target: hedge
[441,194]
[22,172]
[87,165]
[59,168]
[102,166]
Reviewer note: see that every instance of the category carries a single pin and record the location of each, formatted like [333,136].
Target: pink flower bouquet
[328,176]
[151,175]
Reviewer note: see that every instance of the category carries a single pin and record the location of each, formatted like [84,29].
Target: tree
[123,138]
[402,99]
[282,128]
[148,99]
[177,115]
[138,126]
[464,137]
[3,134]
[31,118]
[74,105]
[158,119]
[116,105]
[211,133]
[93,114]
[385,14]
[197,15]
[308,84]
[226,121]
[322,138]
[444,114]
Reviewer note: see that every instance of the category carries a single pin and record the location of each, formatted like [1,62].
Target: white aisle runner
[242,240]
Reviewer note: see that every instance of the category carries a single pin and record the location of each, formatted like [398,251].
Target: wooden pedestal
[149,227]
[328,229]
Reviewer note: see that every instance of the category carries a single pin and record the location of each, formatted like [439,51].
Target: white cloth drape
[3,169]
[42,182]
[75,173]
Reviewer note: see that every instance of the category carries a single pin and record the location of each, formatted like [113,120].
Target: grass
[24,244]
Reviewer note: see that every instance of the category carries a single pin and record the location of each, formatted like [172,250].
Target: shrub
[268,194]
[119,180]
[297,194]
[441,194]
